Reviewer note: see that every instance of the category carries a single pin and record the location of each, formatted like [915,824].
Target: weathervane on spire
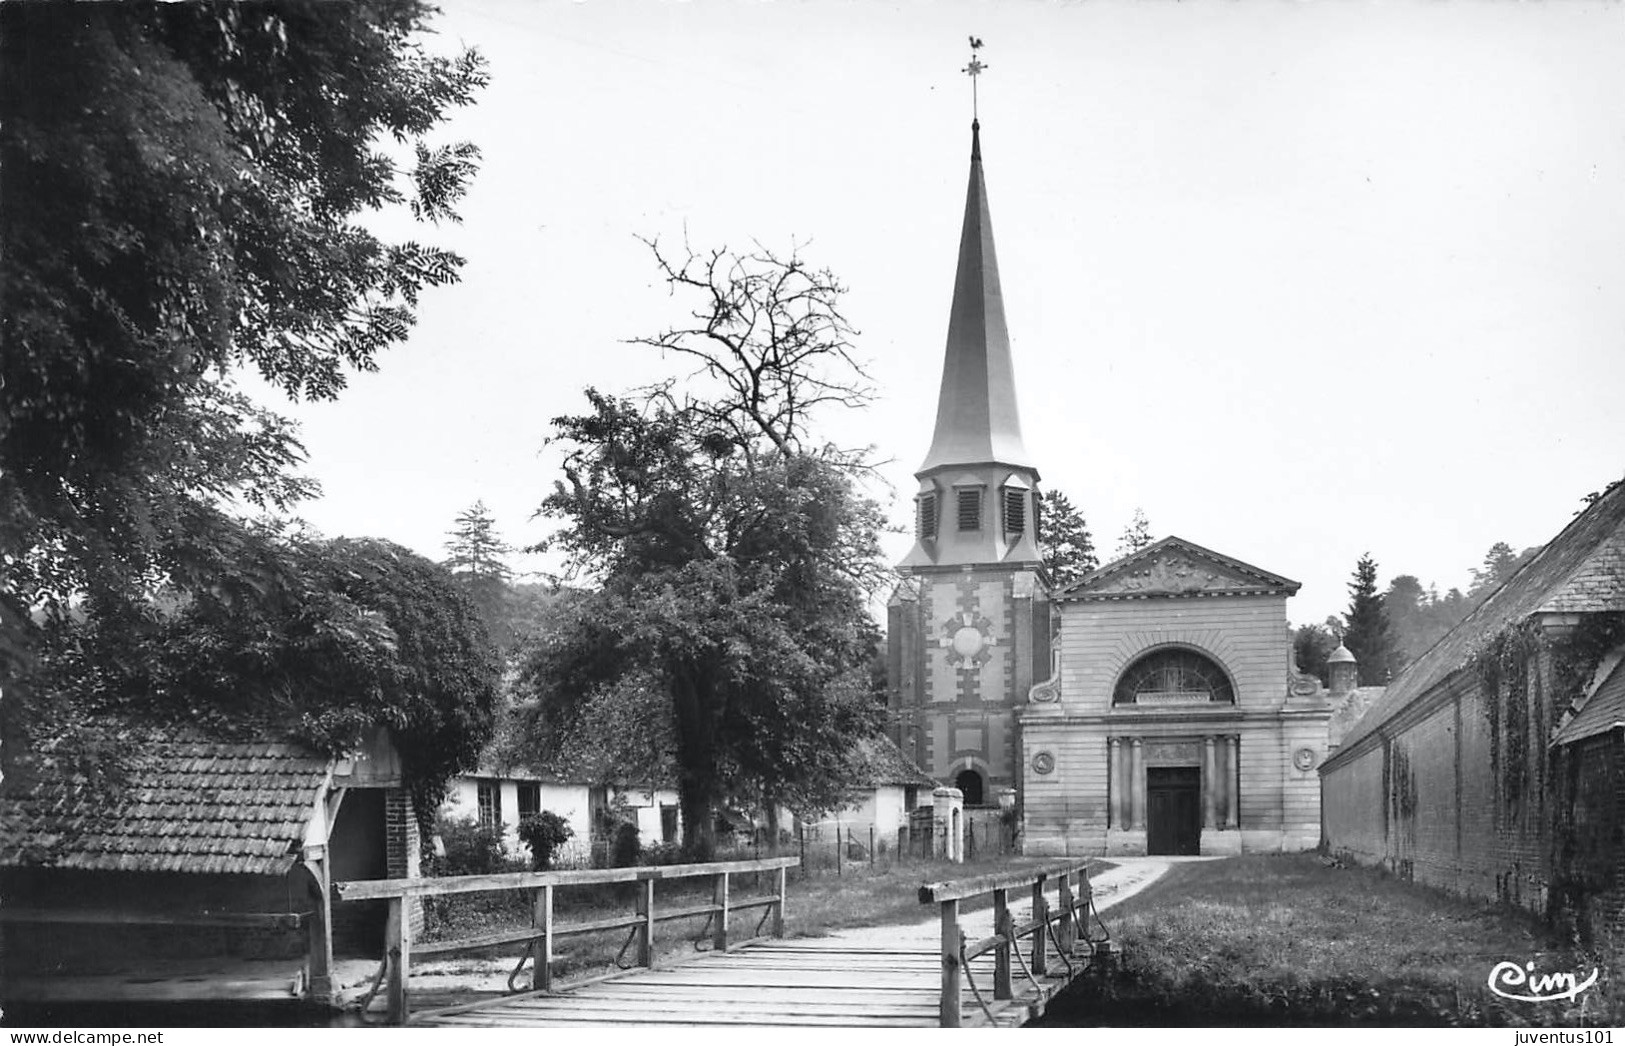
[973,70]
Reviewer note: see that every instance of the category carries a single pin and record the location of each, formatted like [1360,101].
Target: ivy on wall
[1521,702]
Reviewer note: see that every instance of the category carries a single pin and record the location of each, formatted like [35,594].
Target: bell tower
[969,625]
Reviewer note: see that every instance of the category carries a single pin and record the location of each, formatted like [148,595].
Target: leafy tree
[478,563]
[1311,646]
[1366,633]
[1407,606]
[733,557]
[1135,536]
[544,834]
[352,634]
[1064,540]
[184,194]
[1499,563]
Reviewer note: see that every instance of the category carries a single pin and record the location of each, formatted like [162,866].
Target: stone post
[948,828]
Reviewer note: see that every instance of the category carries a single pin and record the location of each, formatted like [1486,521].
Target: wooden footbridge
[901,977]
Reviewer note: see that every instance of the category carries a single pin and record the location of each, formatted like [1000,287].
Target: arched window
[969,782]
[1173,676]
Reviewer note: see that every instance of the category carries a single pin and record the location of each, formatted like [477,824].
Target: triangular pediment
[1176,567]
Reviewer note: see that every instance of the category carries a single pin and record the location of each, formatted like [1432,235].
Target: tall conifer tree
[1366,633]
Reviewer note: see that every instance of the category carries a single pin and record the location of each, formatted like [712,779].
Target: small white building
[505,797]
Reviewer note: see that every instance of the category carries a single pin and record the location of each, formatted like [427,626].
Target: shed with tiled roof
[186,845]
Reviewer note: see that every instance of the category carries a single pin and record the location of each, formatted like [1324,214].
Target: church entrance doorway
[1173,811]
[969,783]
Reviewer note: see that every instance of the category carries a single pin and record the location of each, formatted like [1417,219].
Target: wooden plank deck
[787,982]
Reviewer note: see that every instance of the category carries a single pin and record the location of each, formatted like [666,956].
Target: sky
[1300,280]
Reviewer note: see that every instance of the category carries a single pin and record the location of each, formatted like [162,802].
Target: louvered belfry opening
[1015,511]
[970,509]
[925,519]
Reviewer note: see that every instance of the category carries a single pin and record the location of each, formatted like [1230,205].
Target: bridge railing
[399,947]
[1059,925]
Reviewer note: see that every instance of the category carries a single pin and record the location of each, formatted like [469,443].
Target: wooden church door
[1173,811]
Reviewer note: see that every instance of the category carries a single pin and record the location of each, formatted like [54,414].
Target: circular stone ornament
[1304,758]
[1043,763]
[968,641]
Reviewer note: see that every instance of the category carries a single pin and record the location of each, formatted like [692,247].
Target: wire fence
[833,846]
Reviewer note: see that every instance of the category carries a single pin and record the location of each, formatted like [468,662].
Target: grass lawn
[1289,940]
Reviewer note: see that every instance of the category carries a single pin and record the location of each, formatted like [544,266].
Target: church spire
[977,419]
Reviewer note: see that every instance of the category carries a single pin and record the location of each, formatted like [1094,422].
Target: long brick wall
[1425,797]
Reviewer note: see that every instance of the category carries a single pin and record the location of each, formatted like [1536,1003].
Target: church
[1151,707]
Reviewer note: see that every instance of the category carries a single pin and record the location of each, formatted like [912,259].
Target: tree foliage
[347,636]
[1064,540]
[478,563]
[1366,631]
[1135,536]
[732,556]
[183,196]
[1311,646]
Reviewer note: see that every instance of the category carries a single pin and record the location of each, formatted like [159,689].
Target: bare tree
[769,331]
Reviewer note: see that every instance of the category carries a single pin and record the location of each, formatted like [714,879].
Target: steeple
[977,419]
[978,499]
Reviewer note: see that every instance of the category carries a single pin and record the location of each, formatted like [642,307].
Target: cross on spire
[973,70]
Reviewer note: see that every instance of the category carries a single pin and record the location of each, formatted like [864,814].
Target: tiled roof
[880,762]
[185,804]
[1582,569]
[1603,710]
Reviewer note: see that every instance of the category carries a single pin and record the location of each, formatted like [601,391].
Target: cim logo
[1545,987]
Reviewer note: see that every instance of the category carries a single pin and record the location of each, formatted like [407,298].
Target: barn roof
[184,803]
[1581,570]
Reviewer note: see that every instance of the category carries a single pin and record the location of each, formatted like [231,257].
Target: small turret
[1342,671]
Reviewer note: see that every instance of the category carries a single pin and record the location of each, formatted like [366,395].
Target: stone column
[1232,773]
[1136,784]
[1114,781]
[1210,784]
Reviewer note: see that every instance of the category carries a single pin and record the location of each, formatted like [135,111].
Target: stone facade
[1224,763]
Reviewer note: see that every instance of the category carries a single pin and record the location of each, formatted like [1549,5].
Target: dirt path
[1112,886]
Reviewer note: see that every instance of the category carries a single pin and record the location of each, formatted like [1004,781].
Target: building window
[489,796]
[925,520]
[1173,677]
[668,823]
[970,509]
[1015,511]
[530,801]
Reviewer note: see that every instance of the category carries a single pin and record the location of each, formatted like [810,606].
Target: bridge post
[1041,916]
[541,917]
[1004,926]
[646,932]
[778,909]
[398,946]
[719,923]
[1068,927]
[948,1008]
